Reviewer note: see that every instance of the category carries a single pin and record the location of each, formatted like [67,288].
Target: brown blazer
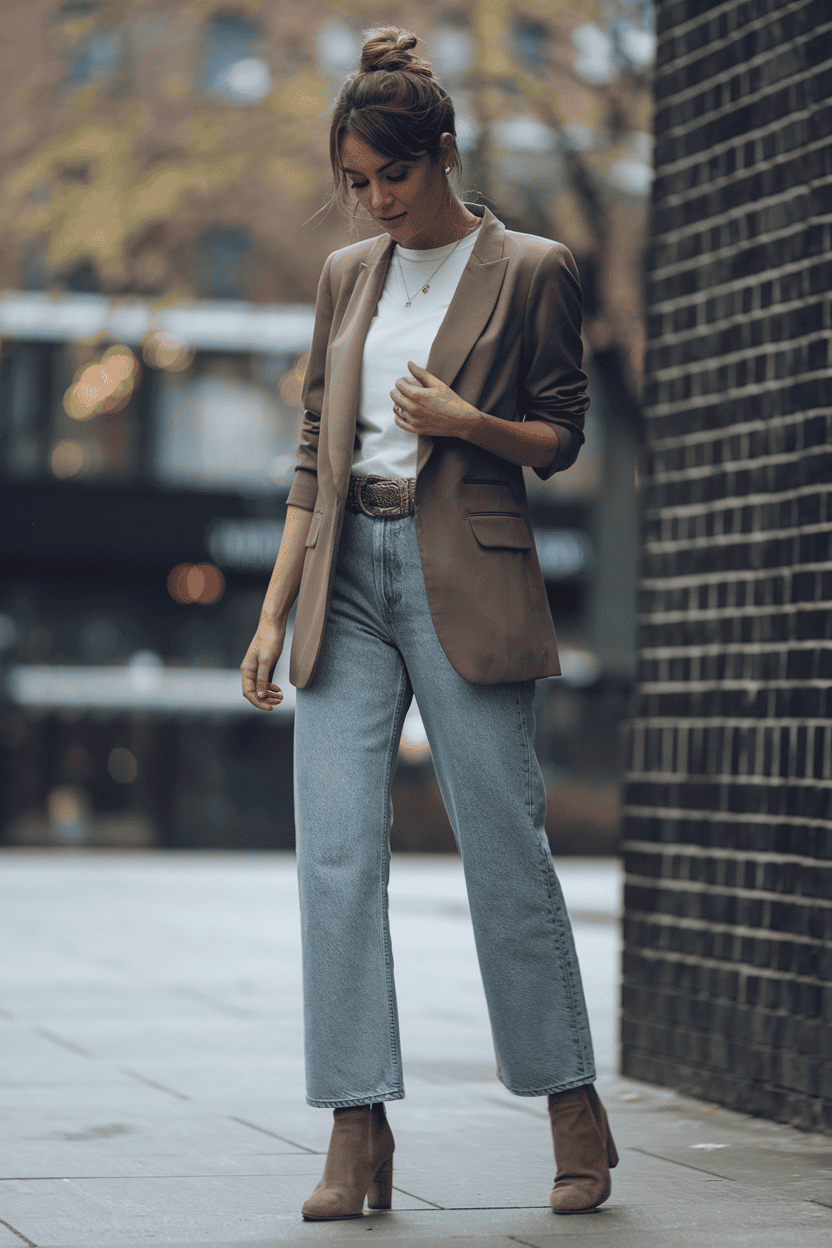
[510,345]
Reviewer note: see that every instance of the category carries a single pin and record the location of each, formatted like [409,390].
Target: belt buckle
[377,512]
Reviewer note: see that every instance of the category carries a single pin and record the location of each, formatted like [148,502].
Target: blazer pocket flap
[312,535]
[508,531]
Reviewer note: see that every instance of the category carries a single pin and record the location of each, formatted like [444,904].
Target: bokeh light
[122,765]
[201,583]
[105,386]
[68,459]
[159,351]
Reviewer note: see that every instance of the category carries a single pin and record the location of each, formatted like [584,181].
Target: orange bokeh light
[103,387]
[159,351]
[196,582]
[68,458]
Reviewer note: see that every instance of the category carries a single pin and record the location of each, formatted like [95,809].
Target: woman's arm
[532,443]
[553,398]
[267,645]
[554,386]
[431,407]
[304,489]
[288,566]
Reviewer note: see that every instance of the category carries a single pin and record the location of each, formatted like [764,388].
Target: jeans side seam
[567,958]
[395,1056]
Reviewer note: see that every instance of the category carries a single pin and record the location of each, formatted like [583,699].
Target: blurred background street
[165,220]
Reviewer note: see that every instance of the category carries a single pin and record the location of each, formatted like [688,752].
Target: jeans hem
[580,1082]
[349,1102]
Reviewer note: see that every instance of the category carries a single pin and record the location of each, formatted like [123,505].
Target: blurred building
[165,221]
[728,805]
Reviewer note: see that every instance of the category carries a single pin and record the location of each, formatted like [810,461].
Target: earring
[447,168]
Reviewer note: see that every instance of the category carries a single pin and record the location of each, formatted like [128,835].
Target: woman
[446,354]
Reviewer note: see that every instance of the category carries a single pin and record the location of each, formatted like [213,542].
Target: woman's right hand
[259,664]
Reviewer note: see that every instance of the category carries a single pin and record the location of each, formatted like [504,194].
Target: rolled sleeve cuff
[304,491]
[571,440]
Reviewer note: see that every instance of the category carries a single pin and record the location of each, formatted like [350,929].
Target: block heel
[380,1191]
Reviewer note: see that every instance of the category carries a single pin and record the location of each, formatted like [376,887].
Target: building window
[223,425]
[83,279]
[531,45]
[339,48]
[452,49]
[22,377]
[233,67]
[96,412]
[93,51]
[223,262]
[35,270]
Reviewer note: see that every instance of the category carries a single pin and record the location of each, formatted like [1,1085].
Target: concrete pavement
[151,1088]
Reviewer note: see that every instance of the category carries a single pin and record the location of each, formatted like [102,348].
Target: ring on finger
[397,409]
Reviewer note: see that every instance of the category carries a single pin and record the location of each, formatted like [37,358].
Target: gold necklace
[426,287]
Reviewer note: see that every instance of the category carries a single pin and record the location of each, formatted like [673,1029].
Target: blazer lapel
[469,311]
[346,357]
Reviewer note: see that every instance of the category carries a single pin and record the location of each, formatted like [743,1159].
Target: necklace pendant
[407,305]
[425,289]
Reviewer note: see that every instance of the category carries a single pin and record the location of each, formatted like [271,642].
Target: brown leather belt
[378,497]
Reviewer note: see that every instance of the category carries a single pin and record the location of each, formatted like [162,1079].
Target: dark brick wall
[727,990]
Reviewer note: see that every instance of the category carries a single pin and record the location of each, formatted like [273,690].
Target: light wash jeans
[379,649]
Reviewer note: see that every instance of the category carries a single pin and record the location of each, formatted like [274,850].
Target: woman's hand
[428,406]
[259,664]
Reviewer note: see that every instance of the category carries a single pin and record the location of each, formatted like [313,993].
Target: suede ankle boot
[359,1163]
[584,1150]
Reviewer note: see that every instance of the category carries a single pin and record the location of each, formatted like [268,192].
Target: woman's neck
[451,227]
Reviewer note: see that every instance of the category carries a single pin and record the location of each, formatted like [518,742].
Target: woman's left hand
[428,406]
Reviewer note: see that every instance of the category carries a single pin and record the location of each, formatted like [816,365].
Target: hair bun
[389,50]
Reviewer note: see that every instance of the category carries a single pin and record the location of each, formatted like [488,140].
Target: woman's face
[407,197]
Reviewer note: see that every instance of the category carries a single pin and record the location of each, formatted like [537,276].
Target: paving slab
[151,1089]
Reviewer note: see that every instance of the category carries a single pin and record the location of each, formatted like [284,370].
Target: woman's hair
[393,103]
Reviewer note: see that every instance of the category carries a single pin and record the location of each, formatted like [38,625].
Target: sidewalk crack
[274,1135]
[19,1234]
[151,1083]
[65,1044]
[413,1196]
[213,1003]
[671,1161]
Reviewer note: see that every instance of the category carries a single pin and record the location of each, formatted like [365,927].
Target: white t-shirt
[398,334]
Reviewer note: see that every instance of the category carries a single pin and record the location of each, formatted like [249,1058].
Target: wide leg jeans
[379,649]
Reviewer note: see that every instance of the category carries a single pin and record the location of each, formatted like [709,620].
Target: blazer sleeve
[554,387]
[304,489]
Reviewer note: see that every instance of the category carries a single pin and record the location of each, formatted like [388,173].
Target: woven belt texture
[382,497]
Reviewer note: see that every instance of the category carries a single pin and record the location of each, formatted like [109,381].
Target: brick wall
[727,988]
